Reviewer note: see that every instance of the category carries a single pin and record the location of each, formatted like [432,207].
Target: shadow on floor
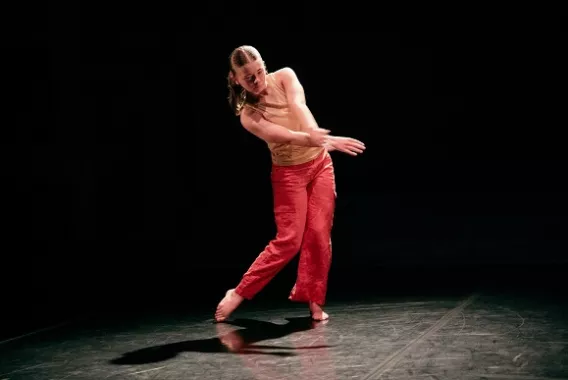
[229,340]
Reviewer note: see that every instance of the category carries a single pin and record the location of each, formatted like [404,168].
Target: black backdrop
[129,179]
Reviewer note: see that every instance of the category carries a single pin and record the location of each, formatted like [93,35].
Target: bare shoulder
[285,74]
[287,79]
[245,115]
[285,71]
[248,116]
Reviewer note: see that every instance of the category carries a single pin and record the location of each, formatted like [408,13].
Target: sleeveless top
[274,108]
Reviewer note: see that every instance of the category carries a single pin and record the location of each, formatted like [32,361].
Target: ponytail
[237,95]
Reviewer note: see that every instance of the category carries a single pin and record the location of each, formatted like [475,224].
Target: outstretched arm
[274,133]
[344,144]
[328,146]
[297,101]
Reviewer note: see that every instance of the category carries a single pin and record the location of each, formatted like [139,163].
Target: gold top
[274,108]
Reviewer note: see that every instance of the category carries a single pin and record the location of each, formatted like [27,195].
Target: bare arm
[296,98]
[329,146]
[274,133]
[297,101]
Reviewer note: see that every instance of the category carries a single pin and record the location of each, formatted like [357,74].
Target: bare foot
[227,305]
[317,313]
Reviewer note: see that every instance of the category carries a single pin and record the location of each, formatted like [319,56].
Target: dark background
[131,186]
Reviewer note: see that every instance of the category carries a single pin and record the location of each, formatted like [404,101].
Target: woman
[272,106]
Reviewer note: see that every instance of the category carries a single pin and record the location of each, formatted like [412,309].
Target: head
[247,77]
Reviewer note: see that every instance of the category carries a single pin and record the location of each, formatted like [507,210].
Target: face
[252,77]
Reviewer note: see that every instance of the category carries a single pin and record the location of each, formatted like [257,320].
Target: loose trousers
[304,206]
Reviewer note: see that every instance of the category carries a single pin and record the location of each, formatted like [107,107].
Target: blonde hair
[237,94]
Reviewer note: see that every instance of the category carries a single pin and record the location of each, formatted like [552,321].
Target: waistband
[321,155]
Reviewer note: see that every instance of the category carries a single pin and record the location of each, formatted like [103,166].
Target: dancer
[272,106]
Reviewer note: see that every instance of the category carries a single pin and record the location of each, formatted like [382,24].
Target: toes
[321,316]
[219,315]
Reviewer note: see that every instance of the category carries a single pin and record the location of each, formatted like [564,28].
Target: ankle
[314,306]
[236,295]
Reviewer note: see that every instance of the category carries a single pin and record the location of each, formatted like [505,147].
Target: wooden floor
[486,334]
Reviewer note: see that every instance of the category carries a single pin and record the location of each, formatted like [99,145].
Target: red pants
[304,205]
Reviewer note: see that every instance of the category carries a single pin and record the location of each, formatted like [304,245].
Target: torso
[273,106]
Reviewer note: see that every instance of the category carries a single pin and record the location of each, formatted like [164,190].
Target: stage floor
[475,335]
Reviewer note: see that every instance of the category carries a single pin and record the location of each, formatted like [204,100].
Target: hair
[237,94]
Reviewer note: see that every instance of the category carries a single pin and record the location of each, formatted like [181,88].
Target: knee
[294,242]
[290,242]
[320,234]
[321,226]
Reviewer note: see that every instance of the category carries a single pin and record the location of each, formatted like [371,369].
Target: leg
[290,208]
[315,256]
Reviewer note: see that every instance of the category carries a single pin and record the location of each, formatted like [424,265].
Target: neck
[252,98]
[259,95]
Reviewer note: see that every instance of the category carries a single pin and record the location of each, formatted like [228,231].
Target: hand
[346,145]
[318,136]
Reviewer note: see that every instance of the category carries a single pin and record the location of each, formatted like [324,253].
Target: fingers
[352,147]
[319,132]
[348,145]
[358,149]
[356,146]
[351,152]
[357,142]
